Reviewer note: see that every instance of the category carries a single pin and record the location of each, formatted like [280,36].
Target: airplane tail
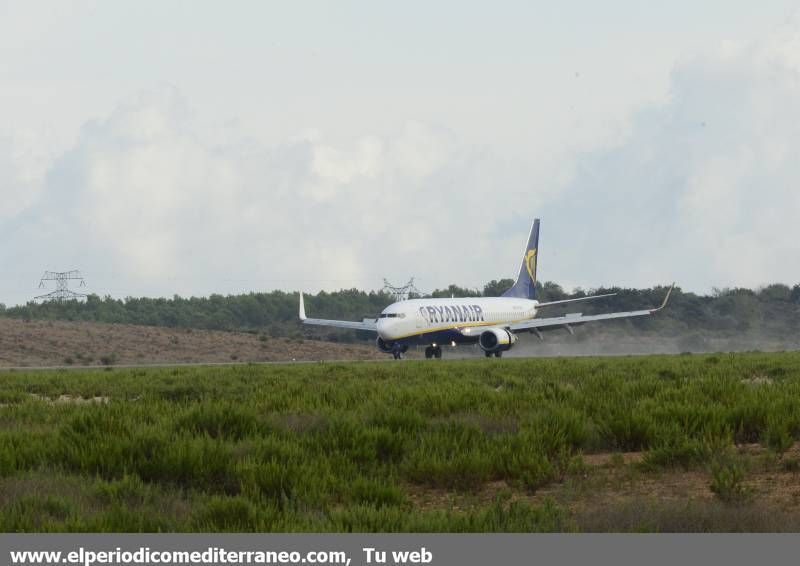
[525,285]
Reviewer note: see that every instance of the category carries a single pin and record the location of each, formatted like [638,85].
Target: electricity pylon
[62,292]
[401,293]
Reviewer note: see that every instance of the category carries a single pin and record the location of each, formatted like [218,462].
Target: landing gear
[433,352]
[497,354]
[398,351]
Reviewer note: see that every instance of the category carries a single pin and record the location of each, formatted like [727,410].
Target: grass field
[659,443]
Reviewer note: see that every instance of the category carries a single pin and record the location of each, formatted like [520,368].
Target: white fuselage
[417,317]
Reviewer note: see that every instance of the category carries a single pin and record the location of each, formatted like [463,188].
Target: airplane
[491,322]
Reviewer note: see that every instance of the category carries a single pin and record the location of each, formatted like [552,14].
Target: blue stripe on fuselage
[438,337]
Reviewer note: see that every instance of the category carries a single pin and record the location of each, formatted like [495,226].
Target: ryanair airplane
[491,322]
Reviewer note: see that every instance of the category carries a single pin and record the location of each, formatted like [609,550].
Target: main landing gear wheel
[433,352]
[498,354]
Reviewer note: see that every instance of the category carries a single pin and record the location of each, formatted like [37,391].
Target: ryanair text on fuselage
[452,313]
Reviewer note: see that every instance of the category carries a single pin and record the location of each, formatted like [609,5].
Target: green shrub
[375,492]
[32,513]
[776,435]
[537,473]
[129,491]
[681,452]
[226,514]
[272,480]
[727,481]
[628,431]
[464,472]
[219,420]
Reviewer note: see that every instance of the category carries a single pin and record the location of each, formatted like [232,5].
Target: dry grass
[58,343]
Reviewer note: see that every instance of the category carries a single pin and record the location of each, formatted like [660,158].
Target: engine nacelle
[496,340]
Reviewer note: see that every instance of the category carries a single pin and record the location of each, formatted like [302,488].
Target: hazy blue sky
[199,147]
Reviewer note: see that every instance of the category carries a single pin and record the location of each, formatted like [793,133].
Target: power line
[401,293]
[62,292]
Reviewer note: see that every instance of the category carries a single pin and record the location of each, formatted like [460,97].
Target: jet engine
[496,340]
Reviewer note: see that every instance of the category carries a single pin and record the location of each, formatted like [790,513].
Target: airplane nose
[387,329]
[381,326]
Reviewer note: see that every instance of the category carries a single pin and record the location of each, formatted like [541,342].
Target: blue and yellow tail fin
[525,285]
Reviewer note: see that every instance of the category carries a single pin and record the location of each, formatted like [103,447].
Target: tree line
[773,310]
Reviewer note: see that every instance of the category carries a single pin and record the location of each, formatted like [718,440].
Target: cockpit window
[392,315]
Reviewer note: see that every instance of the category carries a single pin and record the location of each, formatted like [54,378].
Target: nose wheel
[433,352]
[398,351]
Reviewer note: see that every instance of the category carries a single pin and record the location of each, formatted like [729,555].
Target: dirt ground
[58,343]
[612,492]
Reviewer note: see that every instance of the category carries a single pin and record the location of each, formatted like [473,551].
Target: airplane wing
[366,324]
[568,320]
[592,298]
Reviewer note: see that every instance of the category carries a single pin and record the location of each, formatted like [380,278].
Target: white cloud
[23,166]
[146,202]
[149,200]
[705,188]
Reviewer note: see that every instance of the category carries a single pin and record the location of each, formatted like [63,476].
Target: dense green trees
[773,310]
[495,288]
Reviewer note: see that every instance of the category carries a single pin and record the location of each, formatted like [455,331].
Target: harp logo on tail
[530,263]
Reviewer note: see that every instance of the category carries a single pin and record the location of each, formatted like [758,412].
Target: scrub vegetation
[686,443]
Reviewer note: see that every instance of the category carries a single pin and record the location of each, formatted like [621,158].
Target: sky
[190,148]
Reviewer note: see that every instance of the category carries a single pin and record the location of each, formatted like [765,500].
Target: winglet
[302,307]
[666,299]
